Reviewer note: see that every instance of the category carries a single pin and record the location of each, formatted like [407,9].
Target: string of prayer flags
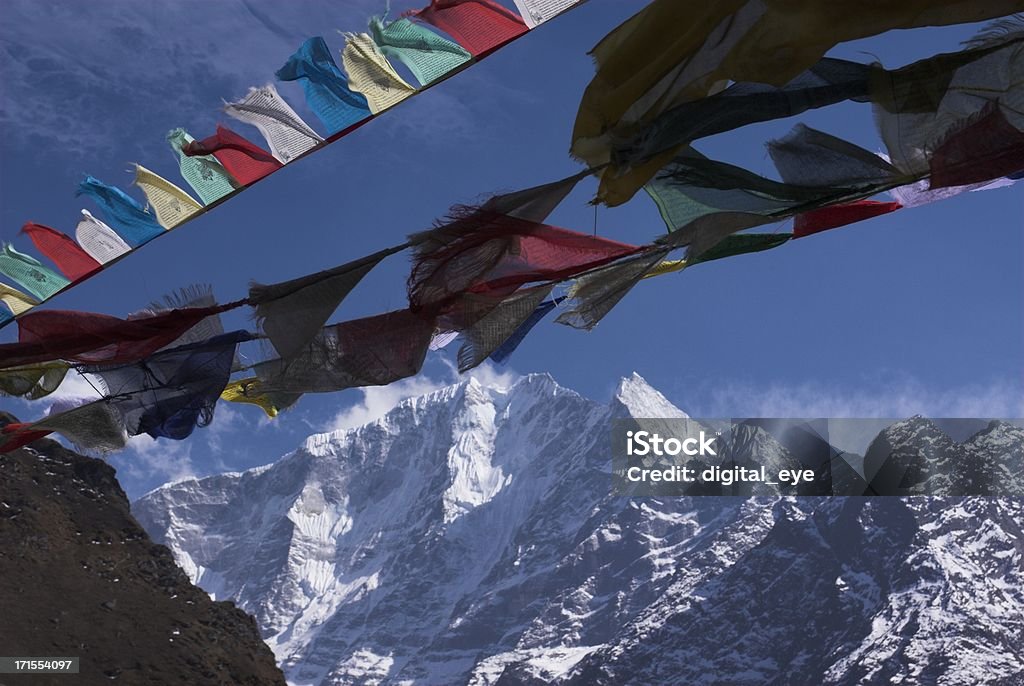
[672,52]
[29,273]
[92,338]
[245,161]
[501,318]
[204,173]
[16,301]
[427,55]
[129,219]
[480,26]
[70,259]
[504,351]
[171,205]
[372,351]
[286,134]
[834,216]
[92,427]
[594,294]
[326,88]
[250,391]
[291,313]
[370,74]
[33,381]
[536,12]
[173,391]
[98,240]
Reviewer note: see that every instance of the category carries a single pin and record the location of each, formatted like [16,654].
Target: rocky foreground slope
[80,577]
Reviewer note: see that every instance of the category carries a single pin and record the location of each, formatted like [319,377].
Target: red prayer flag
[17,435]
[70,259]
[245,161]
[834,216]
[98,338]
[487,253]
[480,26]
[986,149]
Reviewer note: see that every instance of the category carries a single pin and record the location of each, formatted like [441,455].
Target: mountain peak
[635,397]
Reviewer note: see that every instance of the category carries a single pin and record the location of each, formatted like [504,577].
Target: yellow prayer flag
[370,73]
[171,205]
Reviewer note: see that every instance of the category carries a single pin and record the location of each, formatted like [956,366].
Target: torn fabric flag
[372,351]
[98,240]
[504,351]
[170,393]
[70,259]
[427,55]
[92,338]
[129,219]
[90,427]
[250,391]
[983,149]
[32,381]
[170,204]
[243,160]
[204,173]
[16,301]
[29,273]
[326,88]
[480,26]
[370,74]
[834,216]
[484,253]
[292,312]
[286,134]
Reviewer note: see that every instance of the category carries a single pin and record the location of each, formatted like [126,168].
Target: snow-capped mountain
[470,537]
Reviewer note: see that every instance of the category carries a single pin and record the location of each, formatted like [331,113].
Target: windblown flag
[99,240]
[246,162]
[594,294]
[130,220]
[92,338]
[29,273]
[480,26]
[373,351]
[673,52]
[504,351]
[834,216]
[16,301]
[33,381]
[93,426]
[485,253]
[983,149]
[204,173]
[250,391]
[536,12]
[427,55]
[500,318]
[73,262]
[814,159]
[370,74]
[291,313]
[326,88]
[287,135]
[173,391]
[171,205]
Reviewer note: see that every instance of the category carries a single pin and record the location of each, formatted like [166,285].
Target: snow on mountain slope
[470,536]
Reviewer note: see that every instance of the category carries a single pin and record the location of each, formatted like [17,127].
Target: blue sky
[917,311]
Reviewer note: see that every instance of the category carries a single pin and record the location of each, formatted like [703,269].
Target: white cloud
[153,460]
